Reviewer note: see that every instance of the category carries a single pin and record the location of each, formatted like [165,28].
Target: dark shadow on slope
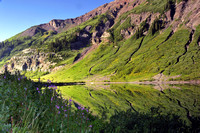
[186,46]
[135,51]
[77,57]
[168,37]
[173,9]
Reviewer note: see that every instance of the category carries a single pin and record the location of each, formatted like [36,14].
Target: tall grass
[31,107]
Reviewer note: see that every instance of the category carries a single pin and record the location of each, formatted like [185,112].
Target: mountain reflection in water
[181,100]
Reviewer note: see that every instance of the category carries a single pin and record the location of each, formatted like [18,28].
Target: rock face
[30,60]
[185,11]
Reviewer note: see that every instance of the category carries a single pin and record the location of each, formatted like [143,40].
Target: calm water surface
[182,100]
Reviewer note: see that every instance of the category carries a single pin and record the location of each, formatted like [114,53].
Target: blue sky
[18,15]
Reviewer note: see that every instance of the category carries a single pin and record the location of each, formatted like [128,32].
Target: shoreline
[192,82]
[151,82]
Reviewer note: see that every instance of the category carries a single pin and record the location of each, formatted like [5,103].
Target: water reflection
[182,100]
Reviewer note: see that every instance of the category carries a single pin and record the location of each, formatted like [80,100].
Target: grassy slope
[190,62]
[154,55]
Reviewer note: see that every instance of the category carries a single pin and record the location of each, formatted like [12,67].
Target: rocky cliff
[31,60]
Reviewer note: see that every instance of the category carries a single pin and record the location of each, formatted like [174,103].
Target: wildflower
[19,79]
[87,110]
[52,99]
[82,108]
[90,126]
[65,110]
[70,100]
[25,89]
[53,87]
[65,115]
[79,107]
[57,107]
[4,77]
[37,89]
[58,112]
[49,81]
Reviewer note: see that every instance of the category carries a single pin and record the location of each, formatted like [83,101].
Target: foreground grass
[29,107]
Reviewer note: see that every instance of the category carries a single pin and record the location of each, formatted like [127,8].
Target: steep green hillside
[139,59]
[129,41]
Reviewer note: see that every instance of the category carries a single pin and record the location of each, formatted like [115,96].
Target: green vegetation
[34,75]
[188,63]
[133,59]
[32,107]
[116,30]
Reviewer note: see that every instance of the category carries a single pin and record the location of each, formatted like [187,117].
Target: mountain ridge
[60,25]
[123,40]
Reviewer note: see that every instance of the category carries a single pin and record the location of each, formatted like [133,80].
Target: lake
[181,100]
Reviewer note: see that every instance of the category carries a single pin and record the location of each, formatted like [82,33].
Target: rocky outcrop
[30,60]
[33,31]
[187,12]
[105,37]
[82,39]
[99,31]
